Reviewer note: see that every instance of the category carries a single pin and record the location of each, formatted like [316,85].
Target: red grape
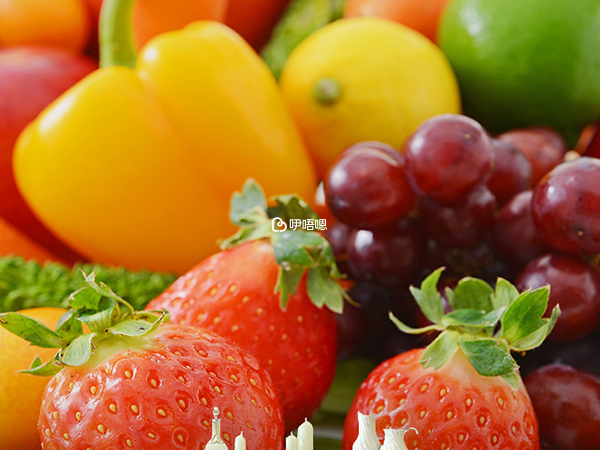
[566,206]
[511,173]
[543,147]
[515,238]
[366,187]
[574,286]
[447,157]
[461,224]
[567,404]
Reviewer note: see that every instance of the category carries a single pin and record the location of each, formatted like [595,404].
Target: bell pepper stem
[117,47]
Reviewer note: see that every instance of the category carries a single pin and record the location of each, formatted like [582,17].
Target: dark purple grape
[511,173]
[337,235]
[387,257]
[447,157]
[461,224]
[366,187]
[515,237]
[351,330]
[566,206]
[480,261]
[543,147]
[574,286]
[567,405]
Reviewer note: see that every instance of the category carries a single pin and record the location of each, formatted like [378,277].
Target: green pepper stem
[117,47]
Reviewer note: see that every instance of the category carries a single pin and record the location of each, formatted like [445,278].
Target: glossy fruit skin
[114,142]
[423,17]
[447,157]
[163,397]
[60,23]
[232,294]
[254,19]
[453,407]
[574,286]
[567,404]
[511,174]
[565,206]
[405,82]
[481,39]
[30,79]
[366,187]
[21,395]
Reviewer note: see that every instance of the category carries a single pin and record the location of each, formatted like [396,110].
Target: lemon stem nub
[327,91]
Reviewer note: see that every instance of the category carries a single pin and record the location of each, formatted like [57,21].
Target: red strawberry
[234,293]
[463,392]
[145,386]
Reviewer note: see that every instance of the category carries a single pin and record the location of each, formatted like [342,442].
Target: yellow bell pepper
[135,165]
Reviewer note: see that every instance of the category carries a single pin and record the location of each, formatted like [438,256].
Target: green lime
[526,62]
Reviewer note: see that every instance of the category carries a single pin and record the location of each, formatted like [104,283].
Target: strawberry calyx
[298,252]
[485,323]
[110,320]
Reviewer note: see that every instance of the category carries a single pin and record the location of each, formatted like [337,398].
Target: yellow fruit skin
[21,394]
[391,79]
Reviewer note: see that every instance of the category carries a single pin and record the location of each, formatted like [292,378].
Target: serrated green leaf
[84,298]
[100,318]
[410,330]
[287,282]
[249,206]
[324,290]
[512,379]
[472,318]
[69,326]
[488,356]
[260,231]
[504,294]
[288,207]
[535,339]
[291,247]
[440,350]
[472,293]
[47,369]
[131,327]
[31,330]
[524,315]
[428,298]
[79,350]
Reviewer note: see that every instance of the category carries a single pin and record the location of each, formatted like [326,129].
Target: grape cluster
[519,205]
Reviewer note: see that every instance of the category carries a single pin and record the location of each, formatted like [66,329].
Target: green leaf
[512,379]
[69,326]
[428,297]
[85,298]
[504,294]
[287,282]
[472,293]
[288,207]
[488,356]
[472,318]
[524,315]
[249,206]
[31,330]
[48,369]
[101,318]
[410,330]
[440,350]
[79,350]
[324,290]
[259,231]
[538,336]
[291,247]
[132,328]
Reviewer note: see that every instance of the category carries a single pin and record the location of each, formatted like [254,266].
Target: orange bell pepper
[135,165]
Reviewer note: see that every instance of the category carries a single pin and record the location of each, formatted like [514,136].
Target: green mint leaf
[524,315]
[504,294]
[48,369]
[101,318]
[538,336]
[488,356]
[428,297]
[440,350]
[287,282]
[69,326]
[288,207]
[410,330]
[79,350]
[473,318]
[249,206]
[472,293]
[323,290]
[85,298]
[31,330]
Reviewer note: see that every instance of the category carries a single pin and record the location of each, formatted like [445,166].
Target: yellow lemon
[365,79]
